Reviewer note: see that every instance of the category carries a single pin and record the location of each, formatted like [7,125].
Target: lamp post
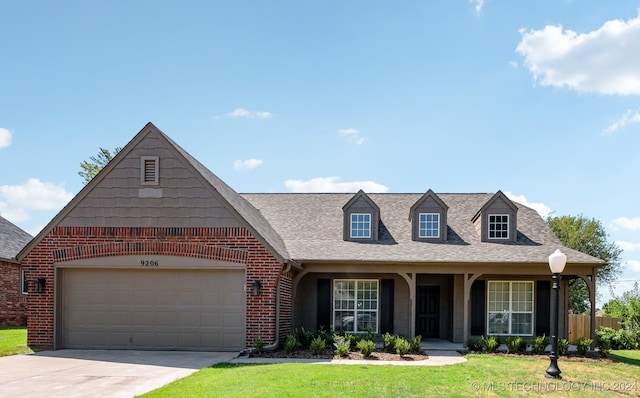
[557,261]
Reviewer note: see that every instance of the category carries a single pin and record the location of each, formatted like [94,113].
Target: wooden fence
[580,325]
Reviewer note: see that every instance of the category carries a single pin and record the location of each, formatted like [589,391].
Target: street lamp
[557,261]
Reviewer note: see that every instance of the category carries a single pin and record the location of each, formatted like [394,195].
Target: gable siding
[185,200]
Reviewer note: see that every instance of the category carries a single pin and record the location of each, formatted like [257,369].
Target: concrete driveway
[98,373]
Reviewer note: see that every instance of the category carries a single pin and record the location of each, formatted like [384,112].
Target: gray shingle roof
[12,239]
[311,228]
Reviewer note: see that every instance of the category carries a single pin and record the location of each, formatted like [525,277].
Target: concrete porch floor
[440,345]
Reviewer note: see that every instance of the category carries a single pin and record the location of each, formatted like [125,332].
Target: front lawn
[13,340]
[486,375]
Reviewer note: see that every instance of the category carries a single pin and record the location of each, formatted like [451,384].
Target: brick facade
[226,244]
[13,304]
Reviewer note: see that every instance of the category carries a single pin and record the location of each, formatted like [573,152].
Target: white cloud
[629,117]
[5,138]
[17,200]
[628,246]
[602,61]
[331,184]
[633,265]
[352,134]
[243,113]
[627,223]
[479,4]
[541,208]
[247,164]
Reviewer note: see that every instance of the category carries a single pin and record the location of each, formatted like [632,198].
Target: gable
[123,197]
[181,193]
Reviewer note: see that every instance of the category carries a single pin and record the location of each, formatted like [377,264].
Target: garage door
[153,309]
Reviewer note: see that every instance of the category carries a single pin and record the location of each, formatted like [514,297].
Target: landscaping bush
[305,337]
[490,343]
[291,344]
[583,344]
[371,335]
[341,344]
[258,345]
[366,347]
[474,344]
[388,342]
[415,345]
[563,346]
[402,346]
[353,340]
[317,345]
[515,344]
[539,344]
[325,335]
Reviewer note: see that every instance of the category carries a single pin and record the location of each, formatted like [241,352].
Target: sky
[539,99]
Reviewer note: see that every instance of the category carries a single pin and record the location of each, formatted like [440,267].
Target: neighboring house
[13,285]
[156,252]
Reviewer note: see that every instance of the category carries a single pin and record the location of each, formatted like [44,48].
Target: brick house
[156,252]
[13,285]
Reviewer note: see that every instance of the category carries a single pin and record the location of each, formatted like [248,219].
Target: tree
[588,236]
[97,163]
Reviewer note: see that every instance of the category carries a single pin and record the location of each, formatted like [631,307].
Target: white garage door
[153,309]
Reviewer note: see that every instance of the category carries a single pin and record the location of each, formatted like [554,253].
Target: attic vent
[149,170]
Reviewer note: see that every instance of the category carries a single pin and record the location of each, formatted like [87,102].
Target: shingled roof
[311,228]
[12,240]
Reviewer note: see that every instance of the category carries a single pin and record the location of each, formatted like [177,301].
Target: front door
[428,312]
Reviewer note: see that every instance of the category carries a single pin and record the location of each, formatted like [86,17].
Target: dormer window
[498,226]
[361,218]
[497,220]
[360,225]
[429,225]
[428,217]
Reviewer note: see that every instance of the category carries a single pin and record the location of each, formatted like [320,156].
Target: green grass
[484,375]
[13,340]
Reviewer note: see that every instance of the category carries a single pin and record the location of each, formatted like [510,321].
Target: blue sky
[539,99]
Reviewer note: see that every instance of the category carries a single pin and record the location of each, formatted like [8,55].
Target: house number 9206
[149,263]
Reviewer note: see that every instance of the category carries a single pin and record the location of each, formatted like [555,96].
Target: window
[23,281]
[429,225]
[361,225]
[355,305]
[510,308]
[498,226]
[149,170]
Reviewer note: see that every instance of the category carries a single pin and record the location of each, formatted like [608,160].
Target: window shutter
[386,305]
[478,295]
[323,313]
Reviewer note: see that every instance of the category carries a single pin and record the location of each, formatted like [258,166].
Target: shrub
[563,346]
[515,344]
[402,346]
[304,337]
[353,340]
[258,345]
[474,344]
[291,344]
[324,334]
[539,344]
[583,344]
[341,344]
[317,345]
[366,347]
[415,345]
[490,343]
[388,342]
[604,346]
[371,335]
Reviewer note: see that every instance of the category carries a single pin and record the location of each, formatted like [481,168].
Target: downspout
[276,343]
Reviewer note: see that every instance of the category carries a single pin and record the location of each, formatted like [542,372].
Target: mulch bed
[377,355]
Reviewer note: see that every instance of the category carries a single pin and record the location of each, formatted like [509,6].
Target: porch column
[468,281]
[590,281]
[410,278]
